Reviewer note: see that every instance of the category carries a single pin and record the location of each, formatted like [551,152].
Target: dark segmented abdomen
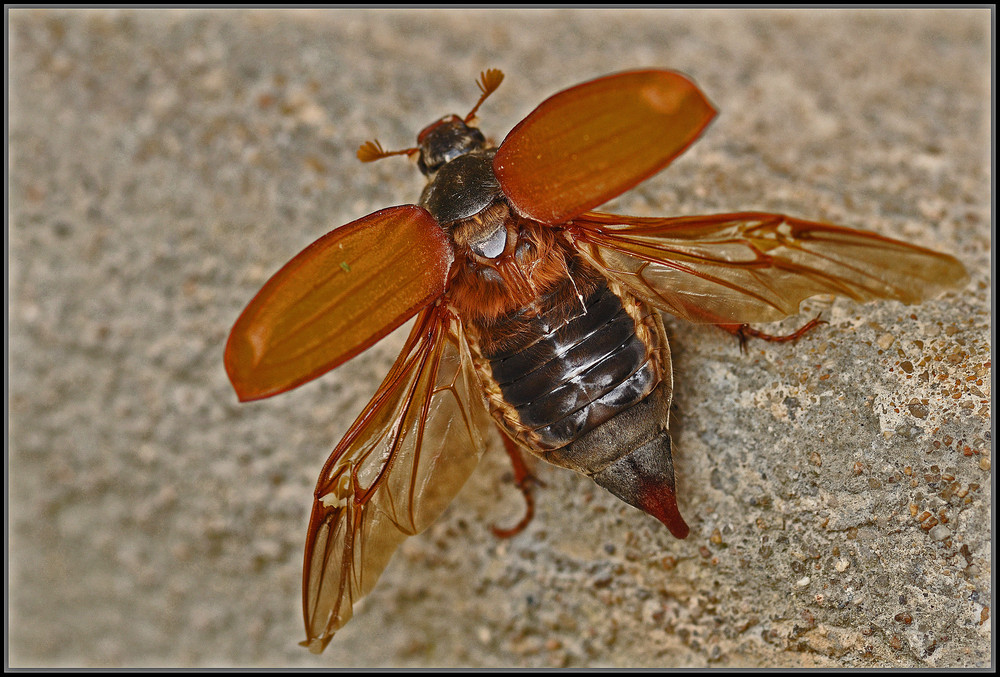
[565,376]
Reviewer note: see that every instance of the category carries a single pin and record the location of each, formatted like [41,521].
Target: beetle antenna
[372,150]
[488,82]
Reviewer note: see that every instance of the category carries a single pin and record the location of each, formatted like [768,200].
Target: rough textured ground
[163,164]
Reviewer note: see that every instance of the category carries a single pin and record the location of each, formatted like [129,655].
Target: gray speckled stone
[164,164]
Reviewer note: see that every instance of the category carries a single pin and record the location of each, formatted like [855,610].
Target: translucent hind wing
[756,267]
[398,467]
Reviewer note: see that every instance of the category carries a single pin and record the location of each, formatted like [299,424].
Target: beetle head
[444,140]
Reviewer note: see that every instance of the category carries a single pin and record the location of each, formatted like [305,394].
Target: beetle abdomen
[586,384]
[565,376]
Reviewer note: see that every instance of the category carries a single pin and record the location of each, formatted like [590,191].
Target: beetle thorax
[534,258]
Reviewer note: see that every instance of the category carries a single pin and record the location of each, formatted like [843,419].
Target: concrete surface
[165,163]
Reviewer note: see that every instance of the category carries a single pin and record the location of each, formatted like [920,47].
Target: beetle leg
[745,331]
[523,479]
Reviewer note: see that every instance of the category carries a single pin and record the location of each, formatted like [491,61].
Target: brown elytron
[534,315]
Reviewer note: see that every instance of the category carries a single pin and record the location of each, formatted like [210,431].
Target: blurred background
[164,163]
